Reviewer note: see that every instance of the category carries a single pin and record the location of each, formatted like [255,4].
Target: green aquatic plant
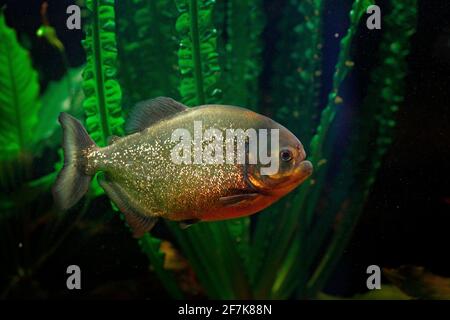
[143,41]
[298,67]
[291,248]
[31,230]
[19,96]
[102,104]
[64,95]
[19,110]
[242,53]
[382,102]
[197,55]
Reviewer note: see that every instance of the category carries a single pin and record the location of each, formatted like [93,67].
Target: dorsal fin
[148,112]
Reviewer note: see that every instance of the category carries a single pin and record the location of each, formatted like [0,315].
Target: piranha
[139,174]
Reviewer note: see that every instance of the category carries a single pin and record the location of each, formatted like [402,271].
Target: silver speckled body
[141,165]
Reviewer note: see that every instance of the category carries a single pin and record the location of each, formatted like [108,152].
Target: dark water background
[407,217]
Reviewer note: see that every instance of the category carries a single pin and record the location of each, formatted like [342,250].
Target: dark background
[406,219]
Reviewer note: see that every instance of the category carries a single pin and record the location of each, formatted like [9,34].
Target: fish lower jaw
[306,168]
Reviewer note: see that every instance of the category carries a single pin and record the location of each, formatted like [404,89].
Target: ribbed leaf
[298,67]
[147,51]
[64,95]
[197,55]
[243,53]
[19,96]
[103,94]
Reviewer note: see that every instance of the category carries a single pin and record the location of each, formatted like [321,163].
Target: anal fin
[135,217]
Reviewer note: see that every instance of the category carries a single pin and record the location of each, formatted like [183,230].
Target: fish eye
[286,155]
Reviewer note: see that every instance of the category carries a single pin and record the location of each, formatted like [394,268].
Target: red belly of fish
[237,211]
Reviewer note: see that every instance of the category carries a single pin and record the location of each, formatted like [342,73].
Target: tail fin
[72,182]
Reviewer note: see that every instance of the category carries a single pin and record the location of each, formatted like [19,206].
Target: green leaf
[242,54]
[197,56]
[298,67]
[19,96]
[239,235]
[63,95]
[145,51]
[102,91]
[382,108]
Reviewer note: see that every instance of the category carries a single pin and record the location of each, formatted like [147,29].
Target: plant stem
[195,39]
[99,73]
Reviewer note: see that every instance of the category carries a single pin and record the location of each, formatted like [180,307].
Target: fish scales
[141,164]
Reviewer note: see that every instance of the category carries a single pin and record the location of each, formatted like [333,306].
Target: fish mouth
[306,167]
[304,170]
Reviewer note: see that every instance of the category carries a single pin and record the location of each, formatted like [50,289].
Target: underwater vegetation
[205,52]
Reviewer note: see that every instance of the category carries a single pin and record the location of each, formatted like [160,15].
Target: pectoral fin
[138,221]
[231,201]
